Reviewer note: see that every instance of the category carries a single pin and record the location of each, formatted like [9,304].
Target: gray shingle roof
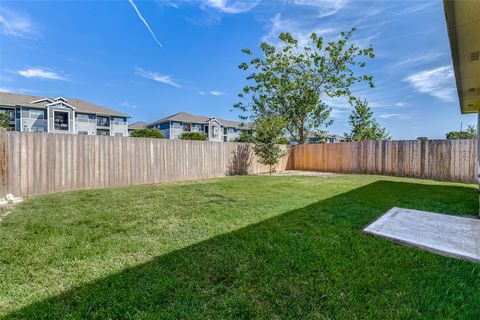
[15,99]
[137,125]
[190,118]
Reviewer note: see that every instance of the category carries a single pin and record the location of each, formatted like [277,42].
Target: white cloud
[17,25]
[437,82]
[420,59]
[325,7]
[232,7]
[223,6]
[415,8]
[300,29]
[40,73]
[398,116]
[338,113]
[217,93]
[400,104]
[128,105]
[165,79]
[145,22]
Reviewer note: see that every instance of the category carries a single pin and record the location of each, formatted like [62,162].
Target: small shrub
[147,133]
[193,136]
[245,136]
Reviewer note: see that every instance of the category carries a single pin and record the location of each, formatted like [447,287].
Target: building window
[224,130]
[118,121]
[103,132]
[103,121]
[60,119]
[225,139]
[37,114]
[163,126]
[81,117]
[186,127]
[176,124]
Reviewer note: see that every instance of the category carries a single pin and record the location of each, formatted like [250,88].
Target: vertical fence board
[449,160]
[41,163]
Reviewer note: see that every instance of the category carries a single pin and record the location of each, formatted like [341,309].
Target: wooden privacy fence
[40,163]
[450,160]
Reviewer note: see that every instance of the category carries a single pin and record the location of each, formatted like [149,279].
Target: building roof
[137,125]
[463,23]
[15,99]
[190,118]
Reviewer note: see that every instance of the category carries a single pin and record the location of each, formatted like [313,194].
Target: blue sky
[152,59]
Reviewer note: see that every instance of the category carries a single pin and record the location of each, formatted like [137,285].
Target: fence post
[3,163]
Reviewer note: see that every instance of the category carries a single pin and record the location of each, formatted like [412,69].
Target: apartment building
[216,129]
[60,115]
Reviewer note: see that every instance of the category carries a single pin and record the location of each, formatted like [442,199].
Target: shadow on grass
[313,262]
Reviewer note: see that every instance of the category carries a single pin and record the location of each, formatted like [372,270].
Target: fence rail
[40,163]
[449,160]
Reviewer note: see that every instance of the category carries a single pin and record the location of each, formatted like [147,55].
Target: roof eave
[449,7]
[462,18]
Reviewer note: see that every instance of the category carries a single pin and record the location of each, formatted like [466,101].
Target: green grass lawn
[239,247]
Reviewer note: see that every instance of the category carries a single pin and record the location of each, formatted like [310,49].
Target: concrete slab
[452,236]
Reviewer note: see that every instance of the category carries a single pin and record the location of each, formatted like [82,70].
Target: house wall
[118,126]
[174,129]
[233,134]
[166,133]
[215,131]
[89,126]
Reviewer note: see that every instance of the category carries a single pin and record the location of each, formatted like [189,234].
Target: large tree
[294,82]
[364,125]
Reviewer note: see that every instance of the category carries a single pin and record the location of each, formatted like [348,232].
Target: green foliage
[268,135]
[5,120]
[147,133]
[283,140]
[245,136]
[193,136]
[470,133]
[292,82]
[422,138]
[364,125]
